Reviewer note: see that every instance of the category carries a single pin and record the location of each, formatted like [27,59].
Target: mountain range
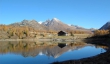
[30,23]
[57,25]
[53,24]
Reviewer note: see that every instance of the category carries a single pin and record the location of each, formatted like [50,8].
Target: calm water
[33,53]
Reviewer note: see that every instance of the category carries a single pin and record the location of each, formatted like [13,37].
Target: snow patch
[69,24]
[56,19]
[45,23]
[40,22]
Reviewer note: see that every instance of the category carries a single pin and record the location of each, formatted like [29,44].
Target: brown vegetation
[25,32]
[101,32]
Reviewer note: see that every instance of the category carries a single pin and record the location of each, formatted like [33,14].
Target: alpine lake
[29,52]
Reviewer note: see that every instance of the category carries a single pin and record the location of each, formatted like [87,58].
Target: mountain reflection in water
[33,49]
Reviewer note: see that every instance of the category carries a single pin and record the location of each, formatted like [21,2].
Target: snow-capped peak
[69,24]
[40,22]
[55,19]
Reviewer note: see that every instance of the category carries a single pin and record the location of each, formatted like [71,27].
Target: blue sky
[85,13]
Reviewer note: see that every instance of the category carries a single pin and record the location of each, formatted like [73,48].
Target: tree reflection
[33,49]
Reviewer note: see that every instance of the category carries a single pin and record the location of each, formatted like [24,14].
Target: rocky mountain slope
[106,26]
[32,23]
[56,24]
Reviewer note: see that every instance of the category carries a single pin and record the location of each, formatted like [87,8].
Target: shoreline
[103,58]
[44,39]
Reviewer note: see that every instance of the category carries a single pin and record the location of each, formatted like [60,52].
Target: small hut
[62,33]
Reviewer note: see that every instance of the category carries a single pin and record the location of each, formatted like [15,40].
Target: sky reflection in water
[32,53]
